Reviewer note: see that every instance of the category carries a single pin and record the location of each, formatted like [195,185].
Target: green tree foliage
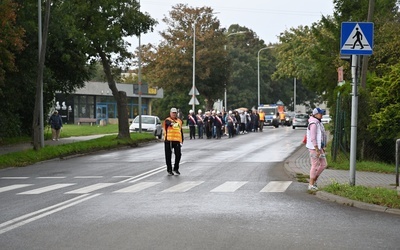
[170,65]
[11,38]
[298,56]
[385,116]
[65,68]
[102,24]
[11,43]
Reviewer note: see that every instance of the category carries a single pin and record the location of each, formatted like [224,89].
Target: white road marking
[144,177]
[47,189]
[12,187]
[229,186]
[51,177]
[90,188]
[276,186]
[145,174]
[88,177]
[137,187]
[14,178]
[183,187]
[22,220]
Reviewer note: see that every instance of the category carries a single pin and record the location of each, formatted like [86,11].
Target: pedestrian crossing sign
[357,38]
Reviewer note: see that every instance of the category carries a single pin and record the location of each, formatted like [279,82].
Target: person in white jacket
[316,143]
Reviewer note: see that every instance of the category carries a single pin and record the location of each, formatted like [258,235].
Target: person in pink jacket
[316,143]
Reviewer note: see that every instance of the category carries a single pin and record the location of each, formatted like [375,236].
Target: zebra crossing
[182,187]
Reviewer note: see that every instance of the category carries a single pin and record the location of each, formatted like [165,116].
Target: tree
[103,24]
[37,132]
[170,64]
[11,38]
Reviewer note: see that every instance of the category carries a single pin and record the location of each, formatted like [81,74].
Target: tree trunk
[123,121]
[37,130]
[120,97]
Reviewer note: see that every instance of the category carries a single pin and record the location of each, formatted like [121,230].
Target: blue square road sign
[357,38]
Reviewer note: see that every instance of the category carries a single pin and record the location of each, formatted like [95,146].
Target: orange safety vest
[262,116]
[174,132]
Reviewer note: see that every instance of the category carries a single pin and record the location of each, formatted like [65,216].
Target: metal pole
[258,73]
[225,93]
[226,104]
[140,82]
[294,95]
[354,113]
[41,115]
[194,67]
[397,162]
[258,78]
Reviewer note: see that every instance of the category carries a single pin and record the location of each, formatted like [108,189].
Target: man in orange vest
[261,120]
[173,139]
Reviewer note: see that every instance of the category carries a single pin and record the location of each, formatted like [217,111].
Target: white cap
[191,111]
[199,111]
[317,111]
[230,111]
[173,110]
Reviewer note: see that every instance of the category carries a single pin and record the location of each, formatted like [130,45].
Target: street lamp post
[258,71]
[194,67]
[225,92]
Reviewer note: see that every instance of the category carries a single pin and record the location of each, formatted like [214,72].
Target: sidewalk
[299,163]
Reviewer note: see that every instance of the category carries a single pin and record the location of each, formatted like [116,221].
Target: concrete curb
[291,167]
[358,204]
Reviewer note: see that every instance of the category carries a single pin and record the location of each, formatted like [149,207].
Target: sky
[267,18]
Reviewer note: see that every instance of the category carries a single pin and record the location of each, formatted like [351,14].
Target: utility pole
[364,66]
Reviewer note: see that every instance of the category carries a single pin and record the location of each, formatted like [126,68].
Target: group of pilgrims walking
[215,124]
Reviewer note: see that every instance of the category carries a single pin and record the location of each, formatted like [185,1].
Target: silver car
[326,119]
[150,123]
[300,120]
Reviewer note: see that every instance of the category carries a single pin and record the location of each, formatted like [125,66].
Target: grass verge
[373,195]
[30,156]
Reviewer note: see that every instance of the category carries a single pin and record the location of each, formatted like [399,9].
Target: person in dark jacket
[208,124]
[218,124]
[56,124]
[192,122]
[200,123]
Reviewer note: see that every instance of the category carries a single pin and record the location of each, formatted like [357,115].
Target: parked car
[150,123]
[288,119]
[300,120]
[326,119]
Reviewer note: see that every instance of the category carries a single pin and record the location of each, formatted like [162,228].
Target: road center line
[4,224]
[59,208]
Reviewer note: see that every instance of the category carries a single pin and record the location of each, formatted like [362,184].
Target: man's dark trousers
[168,146]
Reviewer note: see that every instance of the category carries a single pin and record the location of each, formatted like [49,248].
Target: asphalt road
[231,194]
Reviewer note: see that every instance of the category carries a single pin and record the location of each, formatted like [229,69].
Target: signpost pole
[357,38]
[354,116]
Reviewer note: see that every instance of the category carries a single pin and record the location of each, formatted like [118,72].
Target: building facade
[95,103]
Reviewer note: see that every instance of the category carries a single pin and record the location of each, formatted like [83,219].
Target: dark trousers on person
[242,127]
[192,132]
[200,128]
[261,125]
[168,146]
[231,129]
[218,131]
